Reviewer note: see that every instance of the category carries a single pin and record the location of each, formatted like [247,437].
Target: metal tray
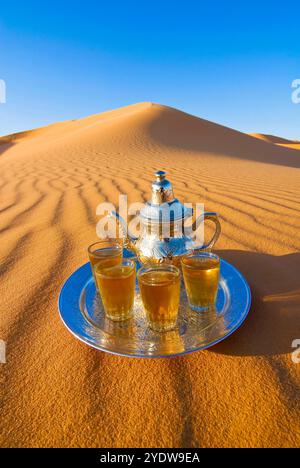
[82,313]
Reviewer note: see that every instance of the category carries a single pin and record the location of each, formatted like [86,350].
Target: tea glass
[201,273]
[116,285]
[160,292]
[105,253]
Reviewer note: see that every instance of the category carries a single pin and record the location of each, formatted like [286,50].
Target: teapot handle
[214,217]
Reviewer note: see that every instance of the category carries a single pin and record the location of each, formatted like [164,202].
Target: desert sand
[58,392]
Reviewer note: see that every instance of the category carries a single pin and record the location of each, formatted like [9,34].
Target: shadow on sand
[186,132]
[271,326]
[274,318]
[5,144]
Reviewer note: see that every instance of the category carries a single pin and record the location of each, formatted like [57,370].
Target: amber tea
[105,253]
[201,272]
[160,291]
[116,286]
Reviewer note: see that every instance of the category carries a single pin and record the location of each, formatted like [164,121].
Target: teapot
[165,235]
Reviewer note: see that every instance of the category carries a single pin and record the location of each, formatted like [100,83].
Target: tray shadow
[274,318]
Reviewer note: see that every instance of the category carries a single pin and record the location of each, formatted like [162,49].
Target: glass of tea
[105,253]
[116,285]
[160,292]
[201,273]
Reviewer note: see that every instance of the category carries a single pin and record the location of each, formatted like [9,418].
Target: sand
[57,392]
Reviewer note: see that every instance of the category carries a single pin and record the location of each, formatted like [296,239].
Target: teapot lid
[164,207]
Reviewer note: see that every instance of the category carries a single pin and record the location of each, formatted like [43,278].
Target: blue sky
[229,62]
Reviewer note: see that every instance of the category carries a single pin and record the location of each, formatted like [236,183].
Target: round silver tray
[82,313]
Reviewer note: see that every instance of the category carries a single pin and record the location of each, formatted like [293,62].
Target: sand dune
[295,146]
[55,391]
[276,140]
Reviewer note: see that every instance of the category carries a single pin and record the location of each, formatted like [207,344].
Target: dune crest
[274,139]
[55,391]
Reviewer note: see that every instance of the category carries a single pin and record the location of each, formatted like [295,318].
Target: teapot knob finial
[162,191]
[160,175]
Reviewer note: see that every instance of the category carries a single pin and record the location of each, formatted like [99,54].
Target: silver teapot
[165,235]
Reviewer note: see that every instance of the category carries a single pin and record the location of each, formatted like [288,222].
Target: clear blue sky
[229,62]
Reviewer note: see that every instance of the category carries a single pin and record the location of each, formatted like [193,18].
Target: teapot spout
[129,239]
